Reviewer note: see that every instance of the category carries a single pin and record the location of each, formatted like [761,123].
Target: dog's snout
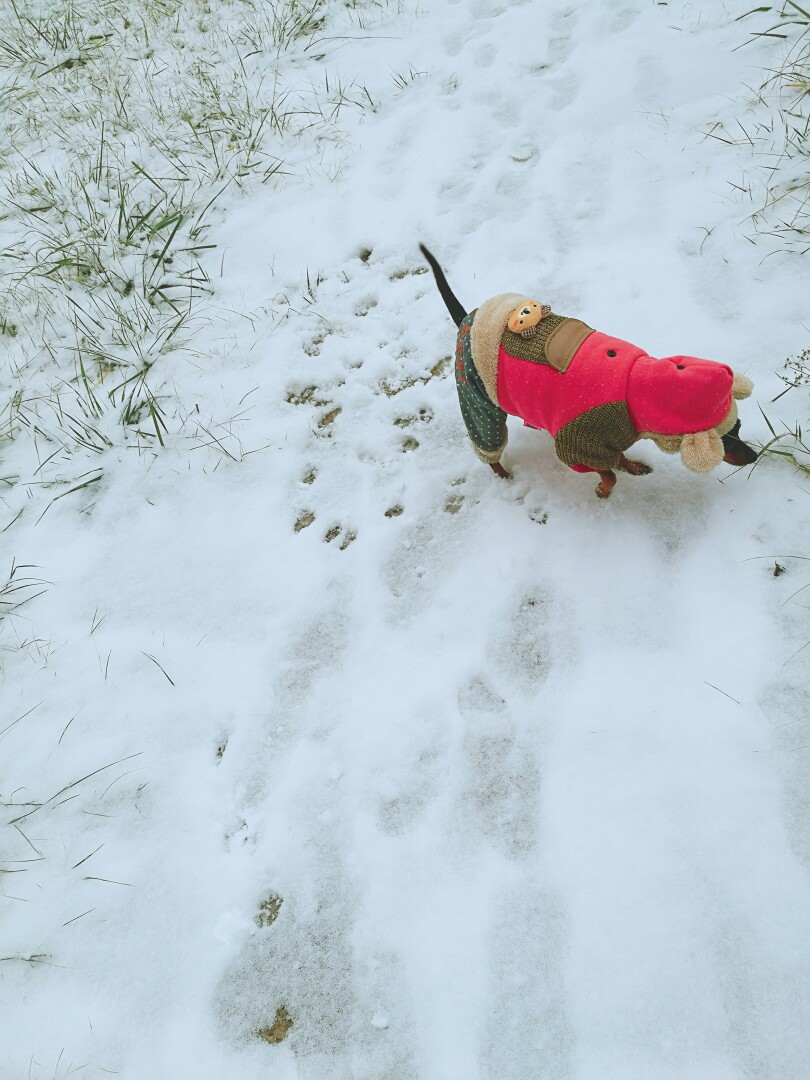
[736,452]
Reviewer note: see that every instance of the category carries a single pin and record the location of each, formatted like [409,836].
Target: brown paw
[606,484]
[635,468]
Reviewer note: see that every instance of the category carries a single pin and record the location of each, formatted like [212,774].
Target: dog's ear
[702,451]
[742,386]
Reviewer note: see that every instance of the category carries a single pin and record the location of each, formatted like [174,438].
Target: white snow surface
[527,771]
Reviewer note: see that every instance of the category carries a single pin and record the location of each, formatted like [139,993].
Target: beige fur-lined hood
[487,330]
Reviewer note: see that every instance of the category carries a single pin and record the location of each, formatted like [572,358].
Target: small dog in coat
[596,395]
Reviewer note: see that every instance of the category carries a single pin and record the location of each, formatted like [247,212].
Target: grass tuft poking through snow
[777,130]
[123,129]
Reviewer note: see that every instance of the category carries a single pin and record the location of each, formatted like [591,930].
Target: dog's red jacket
[673,395]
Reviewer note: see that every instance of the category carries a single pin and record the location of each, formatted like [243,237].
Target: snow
[526,771]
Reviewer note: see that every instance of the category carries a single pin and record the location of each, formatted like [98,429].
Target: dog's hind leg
[606,484]
[484,420]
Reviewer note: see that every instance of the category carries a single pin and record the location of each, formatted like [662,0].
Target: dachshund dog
[595,394]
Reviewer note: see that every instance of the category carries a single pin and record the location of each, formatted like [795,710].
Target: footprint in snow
[560,48]
[527,969]
[621,20]
[327,419]
[303,521]
[268,910]
[421,559]
[563,22]
[399,275]
[423,416]
[311,395]
[313,346]
[307,517]
[337,998]
[500,788]
[414,783]
[365,306]
[564,92]
[349,536]
[522,651]
[305,396]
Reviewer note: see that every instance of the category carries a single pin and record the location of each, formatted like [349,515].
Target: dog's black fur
[736,451]
[453,305]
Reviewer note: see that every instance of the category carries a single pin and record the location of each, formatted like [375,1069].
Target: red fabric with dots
[673,395]
[549,399]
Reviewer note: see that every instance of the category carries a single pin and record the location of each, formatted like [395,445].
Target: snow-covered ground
[325,754]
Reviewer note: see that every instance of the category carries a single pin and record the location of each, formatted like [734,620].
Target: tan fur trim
[741,386]
[487,329]
[729,421]
[491,457]
[670,444]
[702,451]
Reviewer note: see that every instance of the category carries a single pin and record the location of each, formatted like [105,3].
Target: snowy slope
[526,771]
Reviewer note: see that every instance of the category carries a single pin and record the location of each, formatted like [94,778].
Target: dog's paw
[499,470]
[606,485]
[634,468]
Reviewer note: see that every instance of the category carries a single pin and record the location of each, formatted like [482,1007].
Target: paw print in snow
[349,536]
[424,416]
[365,306]
[326,420]
[303,521]
[268,910]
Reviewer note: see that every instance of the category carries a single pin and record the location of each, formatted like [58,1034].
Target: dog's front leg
[635,468]
[499,470]
[606,484]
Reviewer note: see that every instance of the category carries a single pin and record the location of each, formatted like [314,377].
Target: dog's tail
[457,312]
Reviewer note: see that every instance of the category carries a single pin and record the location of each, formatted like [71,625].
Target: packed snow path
[463,778]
